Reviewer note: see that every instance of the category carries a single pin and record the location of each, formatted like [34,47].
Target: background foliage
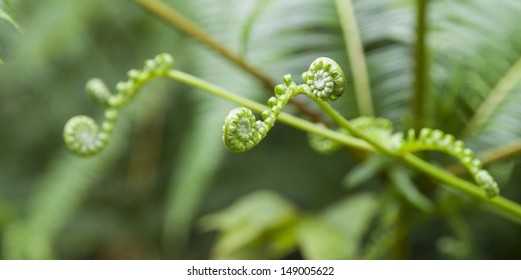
[167,188]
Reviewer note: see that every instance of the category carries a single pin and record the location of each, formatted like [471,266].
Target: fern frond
[437,140]
[460,40]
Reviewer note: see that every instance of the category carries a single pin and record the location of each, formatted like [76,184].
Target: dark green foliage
[144,196]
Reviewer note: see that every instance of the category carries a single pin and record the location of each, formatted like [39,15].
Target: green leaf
[489,106]
[463,32]
[337,232]
[320,240]
[364,172]
[248,25]
[405,186]
[5,16]
[259,225]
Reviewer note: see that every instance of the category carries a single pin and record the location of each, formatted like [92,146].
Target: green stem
[443,176]
[340,120]
[507,207]
[355,52]
[419,104]
[257,107]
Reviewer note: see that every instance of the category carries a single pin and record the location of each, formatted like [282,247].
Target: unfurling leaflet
[82,134]
[324,80]
[436,140]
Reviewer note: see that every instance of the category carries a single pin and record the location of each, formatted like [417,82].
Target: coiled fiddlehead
[82,135]
[241,130]
[436,140]
[324,80]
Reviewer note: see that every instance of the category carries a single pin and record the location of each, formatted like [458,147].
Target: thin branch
[342,122]
[508,208]
[355,52]
[283,117]
[420,98]
[513,210]
[505,207]
[494,99]
[188,27]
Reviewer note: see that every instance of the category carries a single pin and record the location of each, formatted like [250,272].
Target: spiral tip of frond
[98,91]
[83,136]
[325,79]
[241,131]
[433,139]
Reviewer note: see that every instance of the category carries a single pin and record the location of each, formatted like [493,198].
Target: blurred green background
[167,188]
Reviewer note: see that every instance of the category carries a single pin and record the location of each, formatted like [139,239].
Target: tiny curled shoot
[241,130]
[82,135]
[437,140]
[246,130]
[324,80]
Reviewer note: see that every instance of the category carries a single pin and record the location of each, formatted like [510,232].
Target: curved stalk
[505,206]
[85,138]
[259,108]
[340,120]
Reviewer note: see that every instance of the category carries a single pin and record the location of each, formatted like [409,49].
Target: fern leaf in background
[7,17]
[176,192]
